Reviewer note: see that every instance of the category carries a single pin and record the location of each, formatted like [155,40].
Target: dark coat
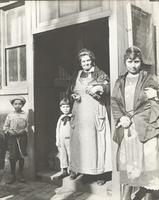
[146,112]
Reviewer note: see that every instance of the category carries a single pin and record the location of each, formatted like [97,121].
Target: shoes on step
[63,175]
[74,175]
[11,180]
[21,178]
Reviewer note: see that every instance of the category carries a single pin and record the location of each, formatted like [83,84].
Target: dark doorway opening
[55,61]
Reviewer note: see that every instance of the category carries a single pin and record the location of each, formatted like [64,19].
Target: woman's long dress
[90,142]
[138,162]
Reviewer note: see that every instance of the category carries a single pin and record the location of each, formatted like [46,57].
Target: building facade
[39,42]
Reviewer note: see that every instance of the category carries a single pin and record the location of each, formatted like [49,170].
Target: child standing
[63,136]
[16,128]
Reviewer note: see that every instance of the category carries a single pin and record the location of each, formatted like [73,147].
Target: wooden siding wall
[122,29]
[57,9]
[60,13]
[0,49]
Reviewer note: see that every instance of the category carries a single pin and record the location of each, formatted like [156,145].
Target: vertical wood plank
[106,4]
[47,10]
[89,4]
[68,7]
[30,79]
[114,73]
[123,32]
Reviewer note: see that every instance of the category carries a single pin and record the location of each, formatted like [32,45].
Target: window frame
[17,86]
[7,78]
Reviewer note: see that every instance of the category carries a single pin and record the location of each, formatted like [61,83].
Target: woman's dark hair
[84,52]
[132,53]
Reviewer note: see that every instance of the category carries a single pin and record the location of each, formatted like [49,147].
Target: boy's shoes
[74,175]
[63,175]
[11,180]
[139,194]
[21,178]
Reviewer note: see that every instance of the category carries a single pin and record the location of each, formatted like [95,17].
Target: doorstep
[77,185]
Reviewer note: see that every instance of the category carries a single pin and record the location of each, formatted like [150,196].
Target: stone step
[79,184]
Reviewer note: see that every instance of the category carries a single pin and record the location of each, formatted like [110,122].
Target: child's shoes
[21,178]
[11,180]
[73,175]
[64,174]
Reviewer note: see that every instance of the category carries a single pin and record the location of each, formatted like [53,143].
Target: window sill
[13,90]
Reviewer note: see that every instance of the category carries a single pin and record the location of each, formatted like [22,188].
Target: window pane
[12,64]
[143,34]
[48,10]
[15,26]
[16,64]
[68,7]
[22,64]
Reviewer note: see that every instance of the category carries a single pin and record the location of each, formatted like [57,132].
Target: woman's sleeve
[103,81]
[71,85]
[115,104]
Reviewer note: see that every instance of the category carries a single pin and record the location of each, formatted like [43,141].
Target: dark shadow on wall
[3,141]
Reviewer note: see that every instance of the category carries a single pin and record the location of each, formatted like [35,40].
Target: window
[14,47]
[15,64]
[143,34]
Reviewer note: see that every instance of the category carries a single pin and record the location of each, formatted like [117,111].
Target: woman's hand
[76,97]
[125,121]
[20,133]
[93,90]
[150,92]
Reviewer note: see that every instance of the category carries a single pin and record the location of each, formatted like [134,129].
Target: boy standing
[16,128]
[63,136]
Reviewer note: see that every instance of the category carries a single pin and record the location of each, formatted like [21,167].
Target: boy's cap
[22,99]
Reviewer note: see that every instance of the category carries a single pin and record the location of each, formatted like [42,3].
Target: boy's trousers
[64,151]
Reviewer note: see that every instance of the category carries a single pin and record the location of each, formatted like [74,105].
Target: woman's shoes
[148,196]
[101,182]
[140,194]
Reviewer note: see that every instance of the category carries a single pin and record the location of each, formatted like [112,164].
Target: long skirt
[139,162]
[90,142]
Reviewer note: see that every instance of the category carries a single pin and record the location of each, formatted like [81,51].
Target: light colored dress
[138,162]
[90,142]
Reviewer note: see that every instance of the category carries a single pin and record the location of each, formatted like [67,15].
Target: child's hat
[22,99]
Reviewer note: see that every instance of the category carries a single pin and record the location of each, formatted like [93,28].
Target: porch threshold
[76,185]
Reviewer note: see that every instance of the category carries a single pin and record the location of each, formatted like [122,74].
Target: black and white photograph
[79,100]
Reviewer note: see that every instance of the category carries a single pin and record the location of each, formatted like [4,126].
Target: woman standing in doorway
[90,138]
[136,112]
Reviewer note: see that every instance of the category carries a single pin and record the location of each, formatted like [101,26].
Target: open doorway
[55,62]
